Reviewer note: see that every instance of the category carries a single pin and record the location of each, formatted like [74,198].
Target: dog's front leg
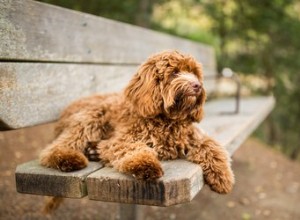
[215,163]
[135,159]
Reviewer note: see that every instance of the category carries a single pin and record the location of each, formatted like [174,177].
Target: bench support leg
[130,212]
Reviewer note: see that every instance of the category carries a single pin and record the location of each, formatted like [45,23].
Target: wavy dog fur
[151,120]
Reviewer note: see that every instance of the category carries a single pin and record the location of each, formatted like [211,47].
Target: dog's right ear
[143,91]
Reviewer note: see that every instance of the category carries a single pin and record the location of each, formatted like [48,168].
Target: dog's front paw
[146,170]
[142,167]
[72,161]
[220,182]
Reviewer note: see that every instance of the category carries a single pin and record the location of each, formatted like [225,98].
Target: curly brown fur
[151,120]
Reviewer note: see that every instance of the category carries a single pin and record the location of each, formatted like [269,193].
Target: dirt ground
[267,187]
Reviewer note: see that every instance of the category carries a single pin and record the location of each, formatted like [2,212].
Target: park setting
[198,116]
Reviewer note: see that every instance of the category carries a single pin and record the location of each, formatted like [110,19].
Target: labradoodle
[151,120]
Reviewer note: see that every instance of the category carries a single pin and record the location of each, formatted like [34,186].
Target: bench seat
[182,180]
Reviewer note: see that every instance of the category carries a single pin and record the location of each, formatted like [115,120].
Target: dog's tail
[52,204]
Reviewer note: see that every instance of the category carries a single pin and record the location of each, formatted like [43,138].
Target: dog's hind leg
[135,159]
[66,152]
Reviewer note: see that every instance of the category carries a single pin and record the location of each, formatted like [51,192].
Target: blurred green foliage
[262,37]
[259,37]
[129,11]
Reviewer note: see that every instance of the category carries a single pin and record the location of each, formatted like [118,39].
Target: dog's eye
[175,72]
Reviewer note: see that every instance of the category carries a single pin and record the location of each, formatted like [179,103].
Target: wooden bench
[46,51]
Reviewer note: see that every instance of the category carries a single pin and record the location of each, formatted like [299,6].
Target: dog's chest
[171,141]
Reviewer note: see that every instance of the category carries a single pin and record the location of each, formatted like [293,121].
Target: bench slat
[232,129]
[32,178]
[35,93]
[35,31]
[112,186]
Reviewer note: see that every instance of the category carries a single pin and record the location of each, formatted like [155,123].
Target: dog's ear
[143,91]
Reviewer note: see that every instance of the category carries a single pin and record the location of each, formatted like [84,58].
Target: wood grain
[230,129]
[35,31]
[35,93]
[181,182]
[32,93]
[32,178]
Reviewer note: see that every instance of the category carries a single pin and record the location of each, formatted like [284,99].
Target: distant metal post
[130,212]
[228,73]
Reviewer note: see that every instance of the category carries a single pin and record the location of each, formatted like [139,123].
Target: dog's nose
[196,86]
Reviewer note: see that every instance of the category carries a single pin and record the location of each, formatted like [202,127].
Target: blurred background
[260,41]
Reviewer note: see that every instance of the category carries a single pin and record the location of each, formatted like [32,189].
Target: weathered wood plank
[32,93]
[35,93]
[182,180]
[35,31]
[32,178]
[232,129]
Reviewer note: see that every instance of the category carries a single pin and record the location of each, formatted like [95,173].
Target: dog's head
[168,84]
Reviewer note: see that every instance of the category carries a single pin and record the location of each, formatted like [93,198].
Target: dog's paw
[142,167]
[65,160]
[146,171]
[72,161]
[220,182]
[91,152]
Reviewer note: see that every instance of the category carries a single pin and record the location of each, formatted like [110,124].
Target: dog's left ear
[143,91]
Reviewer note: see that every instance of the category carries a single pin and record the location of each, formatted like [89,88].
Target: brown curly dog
[151,121]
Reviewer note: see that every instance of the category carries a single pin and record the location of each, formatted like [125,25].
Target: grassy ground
[267,187]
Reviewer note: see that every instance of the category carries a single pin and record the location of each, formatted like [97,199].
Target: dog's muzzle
[196,88]
[193,86]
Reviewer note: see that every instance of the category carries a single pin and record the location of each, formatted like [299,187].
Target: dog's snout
[196,86]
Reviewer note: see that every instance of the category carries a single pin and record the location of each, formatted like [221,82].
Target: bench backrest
[51,56]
